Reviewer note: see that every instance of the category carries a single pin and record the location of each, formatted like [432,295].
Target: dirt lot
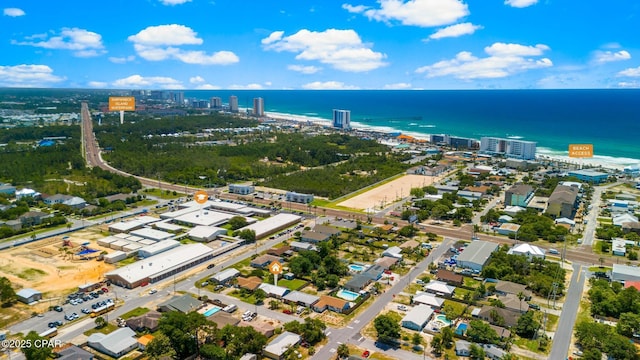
[43,266]
[388,193]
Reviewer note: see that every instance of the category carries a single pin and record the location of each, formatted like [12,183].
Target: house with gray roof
[274,291]
[114,344]
[29,296]
[278,346]
[463,348]
[417,318]
[225,276]
[300,298]
[358,282]
[493,352]
[476,255]
[74,352]
[185,304]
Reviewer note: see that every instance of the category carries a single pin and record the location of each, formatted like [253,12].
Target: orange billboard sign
[122,103]
[581,150]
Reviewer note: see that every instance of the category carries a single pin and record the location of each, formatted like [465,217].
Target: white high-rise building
[258,106]
[511,148]
[233,103]
[342,119]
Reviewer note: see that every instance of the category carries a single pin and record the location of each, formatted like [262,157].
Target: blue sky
[321,44]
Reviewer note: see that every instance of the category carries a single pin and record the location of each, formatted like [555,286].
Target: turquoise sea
[607,118]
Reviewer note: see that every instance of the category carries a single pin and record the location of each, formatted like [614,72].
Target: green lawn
[135,312]
[460,293]
[250,299]
[598,268]
[470,282]
[162,194]
[104,330]
[294,284]
[458,307]
[528,344]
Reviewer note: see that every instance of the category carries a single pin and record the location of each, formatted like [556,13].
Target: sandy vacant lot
[388,193]
[43,266]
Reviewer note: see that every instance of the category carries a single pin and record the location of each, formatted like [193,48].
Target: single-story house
[300,298]
[510,317]
[29,296]
[330,230]
[528,250]
[449,277]
[274,291]
[358,282]
[508,229]
[409,244]
[264,261]
[73,352]
[225,276]
[387,262]
[394,251]
[114,344]
[618,247]
[463,348]
[250,283]
[493,352]
[279,251]
[314,237]
[334,304]
[223,318]
[278,346]
[263,327]
[507,287]
[417,318]
[148,321]
[428,299]
[184,303]
[299,245]
[144,340]
[440,288]
[31,218]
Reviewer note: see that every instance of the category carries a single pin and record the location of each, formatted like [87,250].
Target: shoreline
[542,153]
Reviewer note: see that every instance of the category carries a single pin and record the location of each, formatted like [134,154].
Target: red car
[287,311]
[366,354]
[104,289]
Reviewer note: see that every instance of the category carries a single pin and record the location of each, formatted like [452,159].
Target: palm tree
[601,260]
[520,297]
[343,351]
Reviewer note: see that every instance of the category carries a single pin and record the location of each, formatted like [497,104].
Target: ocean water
[607,118]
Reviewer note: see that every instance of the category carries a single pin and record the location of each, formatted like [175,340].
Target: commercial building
[511,148]
[206,233]
[624,273]
[273,224]
[225,276]
[563,201]
[590,176]
[342,119]
[152,234]
[241,189]
[476,255]
[258,106]
[161,266]
[298,197]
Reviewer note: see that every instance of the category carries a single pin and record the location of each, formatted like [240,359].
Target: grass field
[135,312]
[294,284]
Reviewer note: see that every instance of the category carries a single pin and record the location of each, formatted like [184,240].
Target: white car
[152,291]
[402,308]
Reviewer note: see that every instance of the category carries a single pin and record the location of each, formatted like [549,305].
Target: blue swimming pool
[461,329]
[211,311]
[356,268]
[347,295]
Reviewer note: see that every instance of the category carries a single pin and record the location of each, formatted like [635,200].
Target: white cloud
[398,86]
[503,60]
[455,31]
[138,81]
[157,43]
[253,86]
[304,69]
[84,43]
[328,85]
[629,84]
[13,12]
[207,87]
[28,76]
[423,13]
[174,2]
[273,37]
[341,49]
[121,60]
[601,57]
[197,80]
[165,35]
[520,3]
[630,72]
[98,84]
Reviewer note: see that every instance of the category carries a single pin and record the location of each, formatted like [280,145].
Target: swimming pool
[443,319]
[356,268]
[461,329]
[347,295]
[211,311]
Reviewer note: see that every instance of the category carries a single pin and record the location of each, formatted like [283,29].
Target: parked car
[211,266]
[105,289]
[366,354]
[85,311]
[57,308]
[287,311]
[402,308]
[152,291]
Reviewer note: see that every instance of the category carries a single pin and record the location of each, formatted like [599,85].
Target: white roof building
[204,218]
[151,234]
[273,290]
[417,318]
[513,210]
[178,213]
[225,275]
[157,248]
[439,287]
[167,226]
[273,224]
[114,344]
[206,233]
[528,250]
[160,266]
[428,299]
[477,254]
[621,219]
[624,272]
[278,346]
[394,252]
